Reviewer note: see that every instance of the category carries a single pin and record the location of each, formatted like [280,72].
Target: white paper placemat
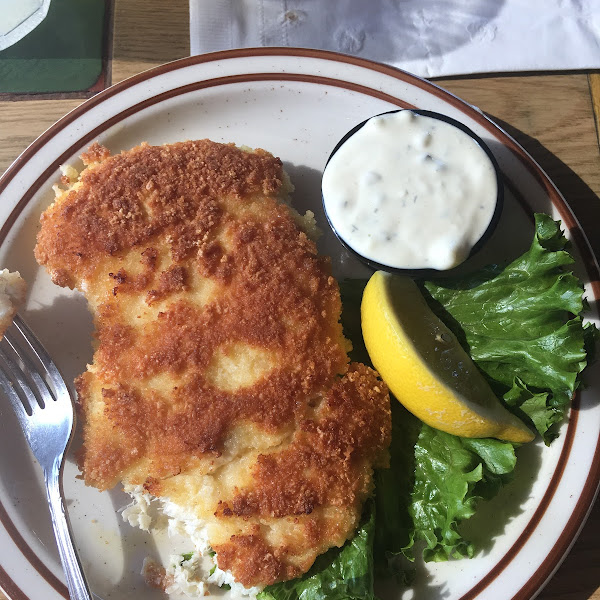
[426,37]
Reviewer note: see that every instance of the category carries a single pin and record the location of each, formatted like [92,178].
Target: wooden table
[553,116]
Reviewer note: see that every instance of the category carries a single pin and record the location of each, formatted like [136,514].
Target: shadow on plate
[580,197]
[307,191]
[134,545]
[584,203]
[22,487]
[20,475]
[65,329]
[493,516]
[307,196]
[422,587]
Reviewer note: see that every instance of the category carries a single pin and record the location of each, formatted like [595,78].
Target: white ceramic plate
[296,104]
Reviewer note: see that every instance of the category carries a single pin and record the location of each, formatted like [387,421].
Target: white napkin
[426,37]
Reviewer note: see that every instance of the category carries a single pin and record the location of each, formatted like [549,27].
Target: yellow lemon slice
[426,368]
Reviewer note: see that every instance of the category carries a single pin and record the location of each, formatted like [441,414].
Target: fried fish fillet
[220,380]
[12,294]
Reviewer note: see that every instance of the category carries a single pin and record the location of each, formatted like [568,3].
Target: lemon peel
[425,366]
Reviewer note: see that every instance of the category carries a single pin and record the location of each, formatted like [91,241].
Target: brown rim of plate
[9,588]
[576,520]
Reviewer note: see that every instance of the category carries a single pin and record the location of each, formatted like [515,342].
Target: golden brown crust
[252,560]
[328,462]
[217,342]
[128,199]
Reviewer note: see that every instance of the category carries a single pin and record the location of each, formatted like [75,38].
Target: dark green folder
[62,54]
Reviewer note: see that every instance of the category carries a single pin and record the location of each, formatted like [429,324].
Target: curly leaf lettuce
[451,475]
[393,496]
[521,326]
[337,574]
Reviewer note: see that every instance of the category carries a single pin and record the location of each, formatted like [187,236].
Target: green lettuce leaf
[520,325]
[394,526]
[534,405]
[451,475]
[338,574]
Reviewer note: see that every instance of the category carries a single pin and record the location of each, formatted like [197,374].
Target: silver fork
[44,407]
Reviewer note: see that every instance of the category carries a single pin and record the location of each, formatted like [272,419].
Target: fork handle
[78,588]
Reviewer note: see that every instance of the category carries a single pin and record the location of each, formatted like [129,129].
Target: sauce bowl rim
[424,272]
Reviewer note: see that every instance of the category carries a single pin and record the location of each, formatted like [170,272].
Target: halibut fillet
[220,380]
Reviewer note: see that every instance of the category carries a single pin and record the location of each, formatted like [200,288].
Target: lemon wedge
[426,368]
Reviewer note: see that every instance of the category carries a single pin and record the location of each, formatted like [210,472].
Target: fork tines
[20,369]
[30,379]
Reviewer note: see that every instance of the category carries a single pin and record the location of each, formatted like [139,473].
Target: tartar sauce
[410,192]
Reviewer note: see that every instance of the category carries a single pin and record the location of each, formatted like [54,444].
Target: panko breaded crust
[220,378]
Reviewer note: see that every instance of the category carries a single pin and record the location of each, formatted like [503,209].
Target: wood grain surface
[550,115]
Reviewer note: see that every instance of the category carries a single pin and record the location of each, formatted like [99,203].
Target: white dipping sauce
[410,191]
